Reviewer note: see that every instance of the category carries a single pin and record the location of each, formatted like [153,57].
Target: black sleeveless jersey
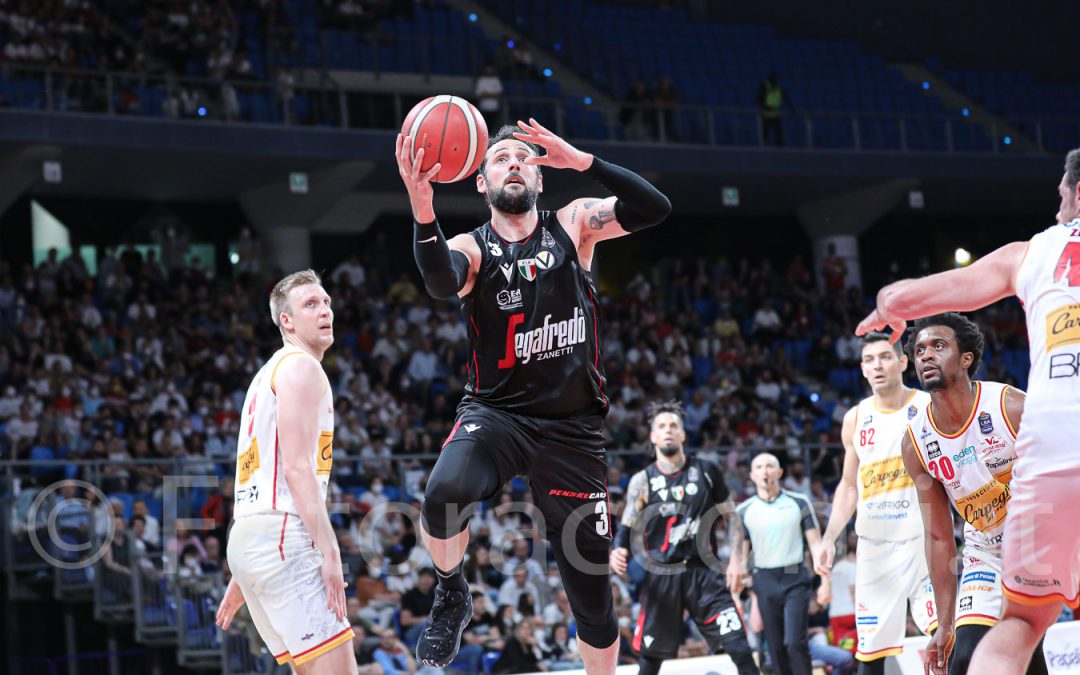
[678,503]
[534,326]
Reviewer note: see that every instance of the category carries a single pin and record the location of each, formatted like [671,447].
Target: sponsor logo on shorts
[308,636]
[933,450]
[469,428]
[866,621]
[1036,583]
[988,577]
[509,299]
[965,603]
[978,588]
[250,494]
[577,495]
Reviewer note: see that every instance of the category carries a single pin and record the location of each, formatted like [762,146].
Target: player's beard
[514,203]
[668,450]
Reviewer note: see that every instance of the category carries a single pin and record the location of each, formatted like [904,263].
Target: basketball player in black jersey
[673,502]
[534,402]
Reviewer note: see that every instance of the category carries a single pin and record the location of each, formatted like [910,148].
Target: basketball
[452,132]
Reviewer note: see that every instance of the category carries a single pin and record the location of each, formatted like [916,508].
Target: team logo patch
[965,603]
[933,450]
[527,268]
[691,489]
[912,411]
[986,424]
[495,249]
[545,260]
[509,299]
[546,240]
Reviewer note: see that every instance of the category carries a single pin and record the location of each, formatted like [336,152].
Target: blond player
[890,568]
[1041,557]
[282,551]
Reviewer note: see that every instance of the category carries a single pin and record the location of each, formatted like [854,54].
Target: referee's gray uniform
[775,530]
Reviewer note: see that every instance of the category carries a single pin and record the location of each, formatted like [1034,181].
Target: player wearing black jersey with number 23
[534,402]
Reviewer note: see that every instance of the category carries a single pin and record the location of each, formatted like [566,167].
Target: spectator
[489,95]
[770,99]
[518,585]
[667,99]
[152,532]
[833,271]
[633,116]
[521,654]
[416,605]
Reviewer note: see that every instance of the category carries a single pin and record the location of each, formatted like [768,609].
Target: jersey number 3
[1068,266]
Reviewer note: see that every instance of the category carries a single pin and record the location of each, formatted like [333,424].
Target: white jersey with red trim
[888,507]
[974,464]
[260,481]
[1048,284]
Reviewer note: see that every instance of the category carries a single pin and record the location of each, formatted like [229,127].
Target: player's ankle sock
[452,581]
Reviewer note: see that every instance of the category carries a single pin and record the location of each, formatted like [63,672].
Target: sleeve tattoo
[636,492]
[734,526]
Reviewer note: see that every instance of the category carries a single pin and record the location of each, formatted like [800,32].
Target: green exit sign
[298,183]
[730,196]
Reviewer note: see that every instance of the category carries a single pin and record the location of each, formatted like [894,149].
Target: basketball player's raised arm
[636,203]
[940,548]
[845,498]
[984,282]
[636,494]
[299,386]
[448,268]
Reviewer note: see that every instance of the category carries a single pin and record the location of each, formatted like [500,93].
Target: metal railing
[313,98]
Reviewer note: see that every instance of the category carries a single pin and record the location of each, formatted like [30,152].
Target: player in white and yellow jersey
[960,450]
[282,550]
[890,568]
[1042,562]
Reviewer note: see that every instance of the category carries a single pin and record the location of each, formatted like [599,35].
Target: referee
[778,524]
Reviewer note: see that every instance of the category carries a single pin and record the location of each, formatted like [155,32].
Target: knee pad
[590,598]
[448,506]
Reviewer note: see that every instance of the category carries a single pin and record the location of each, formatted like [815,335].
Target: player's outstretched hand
[233,600]
[558,153]
[735,577]
[334,580]
[878,321]
[618,560]
[937,651]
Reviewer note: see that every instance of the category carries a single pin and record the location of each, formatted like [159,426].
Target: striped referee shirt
[776,529]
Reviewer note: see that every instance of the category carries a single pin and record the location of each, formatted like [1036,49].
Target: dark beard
[668,450]
[503,200]
[937,384]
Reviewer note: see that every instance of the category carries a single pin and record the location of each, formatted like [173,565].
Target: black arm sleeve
[622,537]
[445,271]
[638,204]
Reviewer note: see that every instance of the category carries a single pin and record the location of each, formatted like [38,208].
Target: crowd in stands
[150,358]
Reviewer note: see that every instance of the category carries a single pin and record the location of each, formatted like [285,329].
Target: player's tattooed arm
[636,494]
[600,216]
[734,525]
